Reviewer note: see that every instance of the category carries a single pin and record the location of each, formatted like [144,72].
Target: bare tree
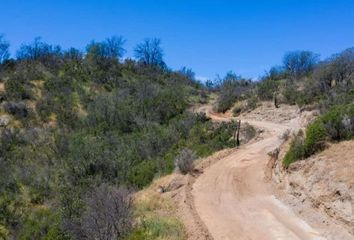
[38,50]
[150,52]
[337,71]
[4,49]
[114,47]
[299,63]
[108,213]
[111,48]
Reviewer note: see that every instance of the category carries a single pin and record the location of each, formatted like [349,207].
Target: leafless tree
[114,47]
[150,52]
[111,48]
[338,71]
[38,50]
[108,213]
[4,49]
[299,63]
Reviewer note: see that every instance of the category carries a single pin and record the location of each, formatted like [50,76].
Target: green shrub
[237,110]
[231,89]
[142,174]
[252,103]
[17,90]
[42,224]
[339,122]
[267,88]
[335,125]
[296,150]
[4,233]
[157,228]
[315,138]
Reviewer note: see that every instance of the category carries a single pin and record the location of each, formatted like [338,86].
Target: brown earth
[326,183]
[233,199]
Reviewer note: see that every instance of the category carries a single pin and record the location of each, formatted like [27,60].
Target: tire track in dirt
[232,199]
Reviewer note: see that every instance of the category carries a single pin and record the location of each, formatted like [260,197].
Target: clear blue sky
[209,36]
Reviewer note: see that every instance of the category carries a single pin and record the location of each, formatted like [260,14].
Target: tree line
[148,52]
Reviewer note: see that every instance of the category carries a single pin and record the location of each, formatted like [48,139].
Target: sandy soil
[2,87]
[230,197]
[326,183]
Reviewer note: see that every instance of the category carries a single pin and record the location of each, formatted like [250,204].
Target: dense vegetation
[335,125]
[81,130]
[325,85]
[330,86]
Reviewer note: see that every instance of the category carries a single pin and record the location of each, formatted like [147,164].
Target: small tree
[114,47]
[38,50]
[4,49]
[150,52]
[185,161]
[299,63]
[111,48]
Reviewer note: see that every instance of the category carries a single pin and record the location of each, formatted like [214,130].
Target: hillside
[94,145]
[233,186]
[81,128]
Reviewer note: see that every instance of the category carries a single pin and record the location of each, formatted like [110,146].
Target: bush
[315,138]
[290,93]
[335,125]
[296,150]
[237,110]
[252,103]
[17,109]
[301,147]
[108,213]
[42,224]
[339,122]
[142,174]
[17,90]
[267,88]
[157,228]
[231,89]
[4,233]
[184,161]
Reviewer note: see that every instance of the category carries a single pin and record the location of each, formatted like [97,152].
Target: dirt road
[234,200]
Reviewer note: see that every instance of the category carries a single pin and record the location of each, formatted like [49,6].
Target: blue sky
[209,36]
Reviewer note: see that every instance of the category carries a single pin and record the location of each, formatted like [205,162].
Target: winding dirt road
[234,200]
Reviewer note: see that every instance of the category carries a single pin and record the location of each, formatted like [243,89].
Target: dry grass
[2,87]
[156,214]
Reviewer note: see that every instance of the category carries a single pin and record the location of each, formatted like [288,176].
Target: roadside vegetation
[82,131]
[305,80]
[156,215]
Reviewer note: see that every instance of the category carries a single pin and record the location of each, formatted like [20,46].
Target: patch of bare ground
[230,193]
[196,229]
[325,184]
[2,87]
[246,194]
[267,112]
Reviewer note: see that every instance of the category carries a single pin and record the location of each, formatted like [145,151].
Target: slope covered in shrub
[81,122]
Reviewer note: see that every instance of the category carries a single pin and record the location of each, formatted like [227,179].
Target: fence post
[238,134]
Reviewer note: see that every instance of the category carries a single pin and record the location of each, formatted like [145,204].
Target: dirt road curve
[234,201]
